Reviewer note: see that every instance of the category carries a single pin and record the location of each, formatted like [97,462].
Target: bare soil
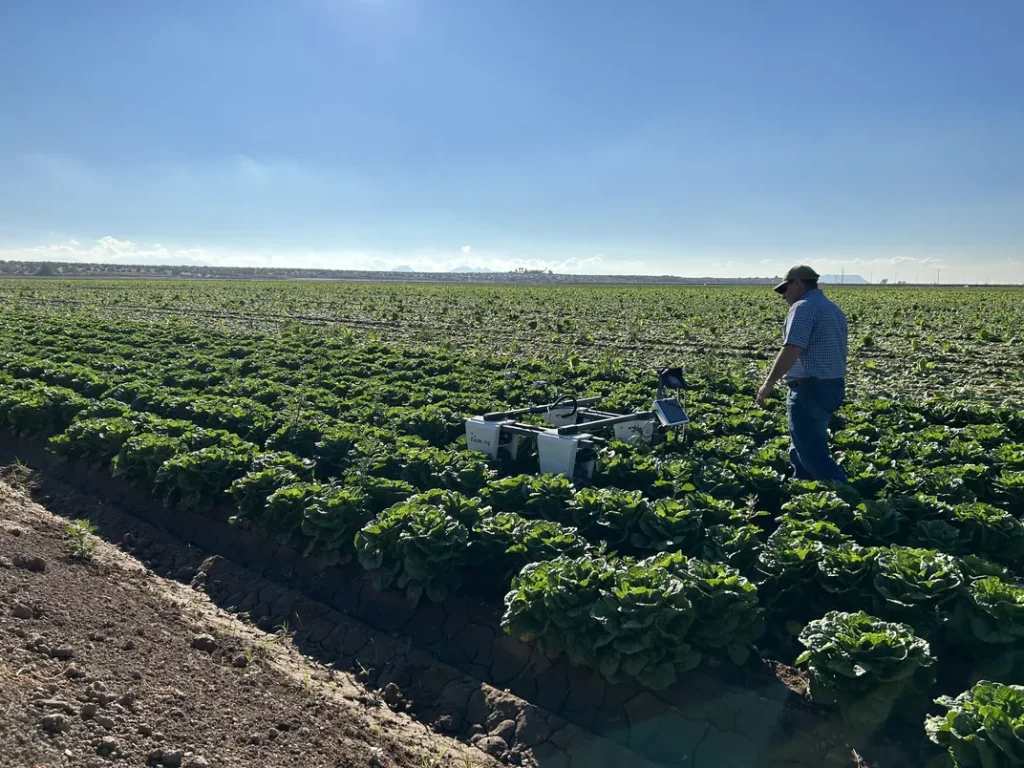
[102,662]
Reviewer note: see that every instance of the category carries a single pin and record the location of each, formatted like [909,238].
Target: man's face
[794,290]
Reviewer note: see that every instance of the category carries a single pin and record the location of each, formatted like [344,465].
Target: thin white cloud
[106,250]
[111,249]
[467,248]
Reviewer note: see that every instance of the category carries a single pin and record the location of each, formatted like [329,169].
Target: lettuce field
[330,417]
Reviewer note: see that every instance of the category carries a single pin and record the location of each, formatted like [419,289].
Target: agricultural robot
[576,429]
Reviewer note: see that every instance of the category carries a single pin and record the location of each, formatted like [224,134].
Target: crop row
[352,449]
[421,520]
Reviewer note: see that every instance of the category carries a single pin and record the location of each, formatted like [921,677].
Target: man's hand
[787,356]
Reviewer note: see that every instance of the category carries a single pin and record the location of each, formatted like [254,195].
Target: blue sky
[654,136]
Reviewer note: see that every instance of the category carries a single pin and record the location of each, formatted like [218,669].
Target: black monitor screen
[671,412]
[672,378]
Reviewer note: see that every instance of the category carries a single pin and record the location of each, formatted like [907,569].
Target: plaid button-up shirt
[818,327]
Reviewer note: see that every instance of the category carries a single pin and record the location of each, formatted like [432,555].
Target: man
[812,362]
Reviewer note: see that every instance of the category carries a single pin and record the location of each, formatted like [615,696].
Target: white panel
[556,453]
[633,432]
[561,416]
[483,436]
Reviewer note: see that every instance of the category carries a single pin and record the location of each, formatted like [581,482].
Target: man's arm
[799,326]
[787,356]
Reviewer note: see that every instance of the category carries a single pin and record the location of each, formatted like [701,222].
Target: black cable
[560,398]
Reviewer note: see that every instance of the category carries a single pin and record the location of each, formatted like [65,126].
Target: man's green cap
[801,272]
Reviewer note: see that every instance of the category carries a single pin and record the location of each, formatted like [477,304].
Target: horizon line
[476,275]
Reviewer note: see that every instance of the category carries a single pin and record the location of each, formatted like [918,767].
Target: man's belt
[794,383]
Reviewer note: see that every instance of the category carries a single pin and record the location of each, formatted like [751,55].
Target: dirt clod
[506,729]
[392,695]
[531,727]
[62,652]
[205,643]
[21,611]
[55,723]
[32,563]
[60,704]
[172,759]
[495,746]
[97,692]
[447,723]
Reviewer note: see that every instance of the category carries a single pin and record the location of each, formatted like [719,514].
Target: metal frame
[571,433]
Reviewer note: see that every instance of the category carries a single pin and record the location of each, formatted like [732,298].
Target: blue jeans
[809,408]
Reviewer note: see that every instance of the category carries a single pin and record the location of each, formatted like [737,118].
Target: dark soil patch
[104,663]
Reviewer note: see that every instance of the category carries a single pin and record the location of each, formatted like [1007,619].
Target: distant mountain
[403,268]
[475,270]
[845,279]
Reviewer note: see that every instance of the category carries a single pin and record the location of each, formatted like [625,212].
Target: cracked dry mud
[104,663]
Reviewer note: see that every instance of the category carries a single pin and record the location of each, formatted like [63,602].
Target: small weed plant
[81,545]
